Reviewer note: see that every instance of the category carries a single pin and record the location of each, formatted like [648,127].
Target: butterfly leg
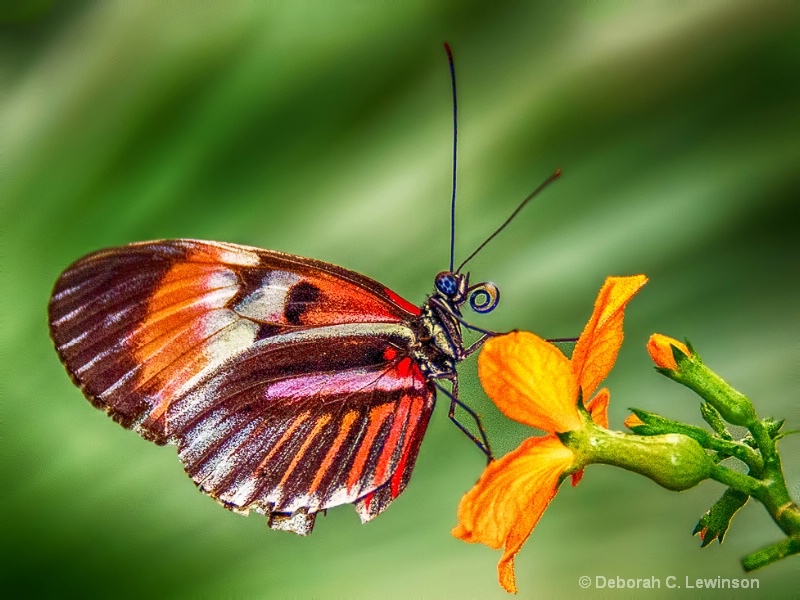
[483,442]
[476,345]
[566,345]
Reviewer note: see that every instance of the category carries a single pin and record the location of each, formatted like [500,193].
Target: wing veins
[143,363]
[72,315]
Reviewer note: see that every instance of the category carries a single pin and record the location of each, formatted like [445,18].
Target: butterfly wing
[282,435]
[285,382]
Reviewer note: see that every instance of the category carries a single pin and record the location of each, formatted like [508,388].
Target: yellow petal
[660,348]
[510,497]
[598,408]
[601,339]
[530,381]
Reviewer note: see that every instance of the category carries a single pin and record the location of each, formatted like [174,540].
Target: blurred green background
[324,129]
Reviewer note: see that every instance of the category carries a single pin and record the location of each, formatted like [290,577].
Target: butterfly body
[289,385]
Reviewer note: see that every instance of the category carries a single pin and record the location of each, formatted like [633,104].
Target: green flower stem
[738,481]
[767,447]
[736,449]
[776,498]
[770,554]
[678,461]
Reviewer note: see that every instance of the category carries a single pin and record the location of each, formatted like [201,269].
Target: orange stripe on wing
[286,435]
[377,416]
[154,332]
[163,341]
[171,375]
[189,287]
[344,430]
[393,438]
[174,340]
[187,281]
[321,422]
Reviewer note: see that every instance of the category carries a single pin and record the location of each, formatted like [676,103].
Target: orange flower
[532,382]
[505,505]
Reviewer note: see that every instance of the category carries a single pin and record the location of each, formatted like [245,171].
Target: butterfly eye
[484,297]
[446,284]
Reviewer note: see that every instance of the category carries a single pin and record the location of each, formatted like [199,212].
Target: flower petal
[659,347]
[598,407]
[601,339]
[510,497]
[530,381]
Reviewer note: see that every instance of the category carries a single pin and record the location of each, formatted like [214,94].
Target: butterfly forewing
[285,382]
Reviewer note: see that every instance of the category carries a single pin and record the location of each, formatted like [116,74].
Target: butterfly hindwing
[259,437]
[285,382]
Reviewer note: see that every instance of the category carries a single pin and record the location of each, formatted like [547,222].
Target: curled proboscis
[484,297]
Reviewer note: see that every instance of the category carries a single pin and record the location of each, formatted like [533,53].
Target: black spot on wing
[301,298]
[266,330]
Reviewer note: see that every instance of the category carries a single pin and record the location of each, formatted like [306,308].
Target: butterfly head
[454,288]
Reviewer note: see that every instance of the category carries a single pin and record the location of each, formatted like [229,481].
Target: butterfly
[289,385]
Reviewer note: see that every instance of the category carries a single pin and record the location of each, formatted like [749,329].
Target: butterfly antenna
[455,148]
[530,197]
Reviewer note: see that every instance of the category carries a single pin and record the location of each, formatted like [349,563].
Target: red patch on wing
[397,477]
[342,302]
[402,302]
[392,441]
[407,368]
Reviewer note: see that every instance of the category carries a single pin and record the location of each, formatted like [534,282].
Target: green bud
[732,405]
[654,424]
[774,428]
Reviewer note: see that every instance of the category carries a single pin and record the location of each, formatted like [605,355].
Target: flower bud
[668,354]
[660,349]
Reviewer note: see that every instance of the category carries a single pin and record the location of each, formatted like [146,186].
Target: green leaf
[714,419]
[714,524]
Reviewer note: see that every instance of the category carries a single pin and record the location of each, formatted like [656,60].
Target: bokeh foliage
[323,129]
